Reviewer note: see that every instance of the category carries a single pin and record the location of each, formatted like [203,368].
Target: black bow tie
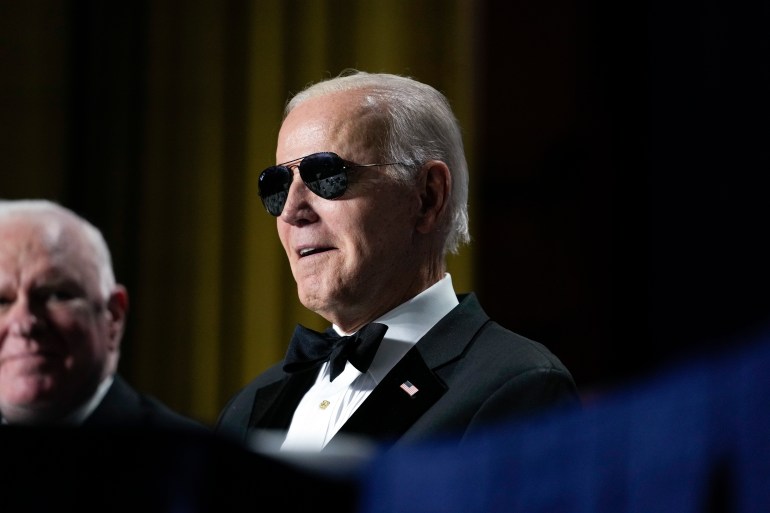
[309,348]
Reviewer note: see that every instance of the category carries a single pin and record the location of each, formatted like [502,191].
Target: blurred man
[62,317]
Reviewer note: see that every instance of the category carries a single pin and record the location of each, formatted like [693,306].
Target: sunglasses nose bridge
[297,180]
[298,192]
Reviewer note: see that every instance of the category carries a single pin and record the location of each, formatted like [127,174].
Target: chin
[311,302]
[316,302]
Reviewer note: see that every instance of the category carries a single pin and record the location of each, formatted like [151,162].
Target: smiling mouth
[38,357]
[311,251]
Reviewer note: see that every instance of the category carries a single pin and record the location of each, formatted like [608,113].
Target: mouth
[304,252]
[31,358]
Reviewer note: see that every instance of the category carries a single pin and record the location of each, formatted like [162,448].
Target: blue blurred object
[695,437]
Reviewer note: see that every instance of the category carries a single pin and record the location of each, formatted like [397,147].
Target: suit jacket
[468,371]
[123,406]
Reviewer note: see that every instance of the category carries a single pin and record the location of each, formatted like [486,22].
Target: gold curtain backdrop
[213,301]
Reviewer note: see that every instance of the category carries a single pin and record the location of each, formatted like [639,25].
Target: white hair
[419,126]
[57,218]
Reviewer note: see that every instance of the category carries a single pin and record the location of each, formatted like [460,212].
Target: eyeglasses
[324,173]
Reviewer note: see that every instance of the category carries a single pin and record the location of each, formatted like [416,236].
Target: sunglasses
[324,173]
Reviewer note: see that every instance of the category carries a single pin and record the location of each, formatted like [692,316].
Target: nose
[298,208]
[22,320]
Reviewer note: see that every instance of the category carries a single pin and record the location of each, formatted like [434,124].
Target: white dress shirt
[327,405]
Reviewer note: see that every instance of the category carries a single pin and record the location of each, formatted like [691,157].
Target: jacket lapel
[391,408]
[449,338]
[279,400]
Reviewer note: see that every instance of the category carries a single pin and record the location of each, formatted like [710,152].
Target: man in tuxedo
[62,317]
[370,195]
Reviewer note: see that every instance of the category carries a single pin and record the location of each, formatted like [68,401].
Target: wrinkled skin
[358,256]
[59,335]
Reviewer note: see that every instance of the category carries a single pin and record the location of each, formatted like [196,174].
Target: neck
[350,320]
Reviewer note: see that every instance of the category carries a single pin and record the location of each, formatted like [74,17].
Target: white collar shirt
[327,405]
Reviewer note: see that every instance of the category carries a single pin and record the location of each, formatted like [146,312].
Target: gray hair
[57,218]
[419,126]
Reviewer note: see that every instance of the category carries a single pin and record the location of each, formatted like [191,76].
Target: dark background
[620,210]
[635,232]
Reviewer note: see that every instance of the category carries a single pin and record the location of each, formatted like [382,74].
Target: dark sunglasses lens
[274,185]
[324,174]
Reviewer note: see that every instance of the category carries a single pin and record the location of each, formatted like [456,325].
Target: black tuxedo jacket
[124,406]
[468,371]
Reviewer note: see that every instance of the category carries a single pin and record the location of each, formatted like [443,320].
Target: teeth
[306,251]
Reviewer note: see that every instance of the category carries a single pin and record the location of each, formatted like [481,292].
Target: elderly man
[370,195]
[61,322]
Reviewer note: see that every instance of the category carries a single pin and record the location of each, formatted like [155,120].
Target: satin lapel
[274,404]
[449,338]
[390,409]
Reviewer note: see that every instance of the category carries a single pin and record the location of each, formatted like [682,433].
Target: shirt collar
[410,321]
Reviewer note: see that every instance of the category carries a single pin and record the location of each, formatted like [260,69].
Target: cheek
[69,323]
[84,332]
[283,237]
[388,234]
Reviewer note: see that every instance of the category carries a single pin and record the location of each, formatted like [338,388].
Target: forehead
[346,122]
[24,237]
[43,247]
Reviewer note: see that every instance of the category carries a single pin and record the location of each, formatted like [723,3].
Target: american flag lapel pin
[410,389]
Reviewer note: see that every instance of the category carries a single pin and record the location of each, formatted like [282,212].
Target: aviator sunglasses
[324,173]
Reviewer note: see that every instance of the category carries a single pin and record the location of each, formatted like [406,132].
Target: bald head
[61,313]
[63,229]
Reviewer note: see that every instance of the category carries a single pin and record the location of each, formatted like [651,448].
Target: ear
[435,184]
[117,310]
